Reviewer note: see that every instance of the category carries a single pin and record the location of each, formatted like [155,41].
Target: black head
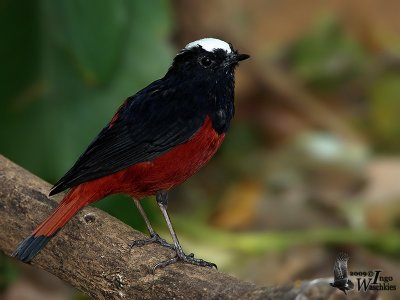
[203,73]
[206,59]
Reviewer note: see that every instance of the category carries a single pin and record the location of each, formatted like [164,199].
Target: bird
[340,271]
[158,138]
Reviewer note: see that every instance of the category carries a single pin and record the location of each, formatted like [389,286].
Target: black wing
[148,125]
[340,268]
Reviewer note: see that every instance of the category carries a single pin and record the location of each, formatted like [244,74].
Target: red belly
[163,173]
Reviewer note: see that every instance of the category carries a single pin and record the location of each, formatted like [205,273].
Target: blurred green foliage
[329,59]
[326,57]
[8,273]
[66,67]
[385,111]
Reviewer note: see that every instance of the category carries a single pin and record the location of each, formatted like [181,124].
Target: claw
[180,256]
[154,239]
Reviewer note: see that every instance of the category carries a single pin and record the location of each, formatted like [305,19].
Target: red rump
[140,180]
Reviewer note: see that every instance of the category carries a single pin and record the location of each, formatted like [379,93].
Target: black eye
[206,62]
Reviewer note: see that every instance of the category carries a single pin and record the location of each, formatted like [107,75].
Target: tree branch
[92,254]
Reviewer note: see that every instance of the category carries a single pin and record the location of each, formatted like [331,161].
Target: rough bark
[92,254]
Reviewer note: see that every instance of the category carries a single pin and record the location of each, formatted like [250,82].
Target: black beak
[240,57]
[234,58]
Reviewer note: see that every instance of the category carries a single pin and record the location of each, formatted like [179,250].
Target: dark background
[309,168]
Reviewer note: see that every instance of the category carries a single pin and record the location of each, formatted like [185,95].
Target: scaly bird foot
[180,256]
[154,239]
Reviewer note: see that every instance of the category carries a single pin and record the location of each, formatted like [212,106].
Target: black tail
[29,247]
[67,208]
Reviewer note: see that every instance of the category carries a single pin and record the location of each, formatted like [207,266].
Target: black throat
[211,96]
[222,103]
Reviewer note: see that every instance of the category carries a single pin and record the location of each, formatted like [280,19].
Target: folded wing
[148,125]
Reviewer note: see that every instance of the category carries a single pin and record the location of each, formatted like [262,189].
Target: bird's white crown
[210,44]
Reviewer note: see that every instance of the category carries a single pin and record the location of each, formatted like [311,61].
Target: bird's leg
[162,200]
[154,237]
